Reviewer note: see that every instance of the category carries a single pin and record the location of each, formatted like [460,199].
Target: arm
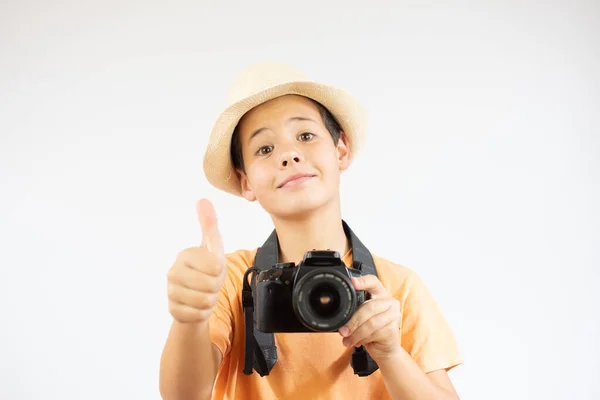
[405,380]
[376,325]
[189,362]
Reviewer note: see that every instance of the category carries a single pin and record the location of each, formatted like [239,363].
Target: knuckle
[358,323]
[184,254]
[171,291]
[212,288]
[203,315]
[204,302]
[212,302]
[190,256]
[184,313]
[212,285]
[373,281]
[174,271]
[173,308]
[371,324]
[171,274]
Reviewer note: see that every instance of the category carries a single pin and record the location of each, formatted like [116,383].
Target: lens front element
[324,300]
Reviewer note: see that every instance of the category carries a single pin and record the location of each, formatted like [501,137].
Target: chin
[294,205]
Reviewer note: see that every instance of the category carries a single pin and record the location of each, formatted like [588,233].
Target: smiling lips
[295,180]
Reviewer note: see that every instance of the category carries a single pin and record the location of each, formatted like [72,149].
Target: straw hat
[258,84]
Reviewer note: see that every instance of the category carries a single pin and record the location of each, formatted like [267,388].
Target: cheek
[327,162]
[258,177]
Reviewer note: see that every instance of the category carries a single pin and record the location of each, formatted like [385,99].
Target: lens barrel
[324,299]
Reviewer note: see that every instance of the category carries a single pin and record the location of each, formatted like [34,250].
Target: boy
[283,142]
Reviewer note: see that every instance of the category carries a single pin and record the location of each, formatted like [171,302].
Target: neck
[319,230]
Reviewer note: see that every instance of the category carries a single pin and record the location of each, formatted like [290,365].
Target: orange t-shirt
[317,365]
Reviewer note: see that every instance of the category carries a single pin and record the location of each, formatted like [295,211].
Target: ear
[343,152]
[245,184]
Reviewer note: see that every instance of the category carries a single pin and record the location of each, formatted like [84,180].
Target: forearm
[405,380]
[188,365]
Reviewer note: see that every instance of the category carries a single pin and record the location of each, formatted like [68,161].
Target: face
[292,164]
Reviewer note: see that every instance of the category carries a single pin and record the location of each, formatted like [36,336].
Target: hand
[198,273]
[376,323]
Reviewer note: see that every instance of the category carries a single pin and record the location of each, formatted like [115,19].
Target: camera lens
[324,299]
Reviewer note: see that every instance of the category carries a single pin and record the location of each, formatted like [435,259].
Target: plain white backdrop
[481,173]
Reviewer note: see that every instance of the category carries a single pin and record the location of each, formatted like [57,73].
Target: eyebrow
[292,119]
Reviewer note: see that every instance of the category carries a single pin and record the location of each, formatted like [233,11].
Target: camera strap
[260,352]
[260,349]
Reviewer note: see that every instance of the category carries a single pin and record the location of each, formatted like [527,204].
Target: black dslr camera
[317,295]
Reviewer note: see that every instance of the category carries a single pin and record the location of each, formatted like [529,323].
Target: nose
[289,158]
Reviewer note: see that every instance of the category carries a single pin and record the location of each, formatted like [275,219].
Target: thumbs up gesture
[198,273]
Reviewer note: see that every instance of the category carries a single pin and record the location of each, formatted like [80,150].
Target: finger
[192,298]
[210,230]
[371,284]
[196,280]
[188,313]
[368,328]
[202,260]
[365,312]
[380,335]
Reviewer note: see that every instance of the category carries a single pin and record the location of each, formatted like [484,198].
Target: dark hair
[330,122]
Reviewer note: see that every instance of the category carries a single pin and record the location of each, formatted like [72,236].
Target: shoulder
[237,263]
[240,260]
[396,278]
[387,266]
[241,257]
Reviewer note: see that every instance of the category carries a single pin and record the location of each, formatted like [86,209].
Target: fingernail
[345,342]
[344,331]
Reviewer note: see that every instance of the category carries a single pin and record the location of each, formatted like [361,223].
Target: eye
[263,151]
[305,136]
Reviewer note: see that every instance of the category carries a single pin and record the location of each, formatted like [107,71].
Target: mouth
[295,180]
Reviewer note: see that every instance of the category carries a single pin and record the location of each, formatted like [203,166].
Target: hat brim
[218,166]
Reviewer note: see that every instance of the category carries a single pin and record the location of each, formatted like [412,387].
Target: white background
[481,173]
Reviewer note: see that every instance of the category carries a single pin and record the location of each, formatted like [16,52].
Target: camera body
[315,296]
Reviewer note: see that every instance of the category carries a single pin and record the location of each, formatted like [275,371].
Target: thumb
[211,238]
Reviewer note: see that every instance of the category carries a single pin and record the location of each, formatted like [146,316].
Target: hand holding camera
[198,273]
[376,325]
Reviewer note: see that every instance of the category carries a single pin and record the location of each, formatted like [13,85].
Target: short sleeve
[221,320]
[425,333]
